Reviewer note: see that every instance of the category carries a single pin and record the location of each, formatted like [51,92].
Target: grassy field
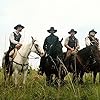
[36,89]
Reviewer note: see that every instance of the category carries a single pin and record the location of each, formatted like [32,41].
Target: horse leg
[94,76]
[48,80]
[81,76]
[5,73]
[74,77]
[62,80]
[51,78]
[10,70]
[24,76]
[15,76]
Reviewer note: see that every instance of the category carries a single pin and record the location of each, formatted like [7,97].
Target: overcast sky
[39,15]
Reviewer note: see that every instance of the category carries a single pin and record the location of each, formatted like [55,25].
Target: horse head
[96,52]
[89,54]
[36,48]
[56,49]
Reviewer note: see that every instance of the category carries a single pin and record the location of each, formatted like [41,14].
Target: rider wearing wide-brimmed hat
[15,44]
[71,42]
[50,39]
[72,45]
[48,42]
[91,39]
[15,37]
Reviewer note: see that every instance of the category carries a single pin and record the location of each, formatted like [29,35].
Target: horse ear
[32,37]
[33,40]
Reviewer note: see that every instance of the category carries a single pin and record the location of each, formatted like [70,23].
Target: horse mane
[25,47]
[85,52]
[56,49]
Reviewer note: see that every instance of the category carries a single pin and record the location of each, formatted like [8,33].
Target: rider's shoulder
[12,33]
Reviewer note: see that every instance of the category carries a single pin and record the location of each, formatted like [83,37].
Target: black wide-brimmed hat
[52,30]
[92,31]
[19,25]
[72,30]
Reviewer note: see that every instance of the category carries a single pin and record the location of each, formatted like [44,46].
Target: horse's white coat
[22,58]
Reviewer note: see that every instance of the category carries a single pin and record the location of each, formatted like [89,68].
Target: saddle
[70,53]
[13,53]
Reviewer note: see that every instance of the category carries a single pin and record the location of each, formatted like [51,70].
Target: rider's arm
[11,38]
[87,41]
[66,44]
[77,47]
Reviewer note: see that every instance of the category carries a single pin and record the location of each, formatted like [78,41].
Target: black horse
[53,64]
[89,59]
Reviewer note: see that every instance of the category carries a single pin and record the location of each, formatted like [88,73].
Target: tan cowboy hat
[52,30]
[72,30]
[19,25]
[92,31]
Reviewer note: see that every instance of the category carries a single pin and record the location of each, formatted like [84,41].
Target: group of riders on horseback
[50,45]
[71,43]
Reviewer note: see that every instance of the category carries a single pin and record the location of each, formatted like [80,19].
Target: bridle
[37,51]
[36,47]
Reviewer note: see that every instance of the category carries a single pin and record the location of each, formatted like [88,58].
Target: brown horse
[86,60]
[89,58]
[72,65]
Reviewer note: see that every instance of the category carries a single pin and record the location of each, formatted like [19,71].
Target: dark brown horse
[86,60]
[72,65]
[89,58]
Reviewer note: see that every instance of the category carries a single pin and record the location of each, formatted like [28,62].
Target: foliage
[36,89]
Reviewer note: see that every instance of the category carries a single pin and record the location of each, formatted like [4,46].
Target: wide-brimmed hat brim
[52,31]
[72,31]
[19,25]
[92,31]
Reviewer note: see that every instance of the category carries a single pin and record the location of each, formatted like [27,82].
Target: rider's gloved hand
[18,46]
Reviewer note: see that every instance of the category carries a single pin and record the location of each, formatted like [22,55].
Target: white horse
[20,62]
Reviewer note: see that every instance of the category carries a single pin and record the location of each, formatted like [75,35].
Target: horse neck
[25,49]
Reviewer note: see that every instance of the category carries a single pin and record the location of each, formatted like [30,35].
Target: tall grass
[36,89]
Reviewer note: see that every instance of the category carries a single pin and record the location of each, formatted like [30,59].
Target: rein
[29,51]
[24,57]
[36,47]
[28,54]
[21,64]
